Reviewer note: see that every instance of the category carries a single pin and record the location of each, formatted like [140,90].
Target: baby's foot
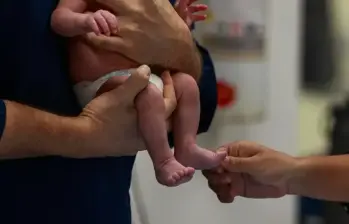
[171,173]
[199,158]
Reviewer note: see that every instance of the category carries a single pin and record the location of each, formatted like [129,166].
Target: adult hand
[149,32]
[110,120]
[252,171]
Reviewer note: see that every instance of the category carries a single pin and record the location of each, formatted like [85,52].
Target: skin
[30,132]
[74,17]
[106,127]
[255,171]
[164,31]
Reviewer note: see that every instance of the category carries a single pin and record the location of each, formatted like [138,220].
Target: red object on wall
[226,94]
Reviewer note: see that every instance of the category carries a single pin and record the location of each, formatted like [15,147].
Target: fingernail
[145,69]
[221,149]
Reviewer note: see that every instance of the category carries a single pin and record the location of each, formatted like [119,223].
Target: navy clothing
[58,190]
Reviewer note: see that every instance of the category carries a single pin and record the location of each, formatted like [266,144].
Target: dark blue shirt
[58,190]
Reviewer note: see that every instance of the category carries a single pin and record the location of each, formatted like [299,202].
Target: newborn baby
[95,71]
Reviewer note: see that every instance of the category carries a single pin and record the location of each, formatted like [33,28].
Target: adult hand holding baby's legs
[110,120]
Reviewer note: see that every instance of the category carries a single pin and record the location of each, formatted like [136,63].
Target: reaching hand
[251,171]
[188,11]
[101,22]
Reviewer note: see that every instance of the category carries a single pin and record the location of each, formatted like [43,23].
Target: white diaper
[86,91]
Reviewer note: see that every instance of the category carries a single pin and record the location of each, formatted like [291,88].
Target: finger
[168,125]
[170,106]
[183,5]
[169,91]
[169,94]
[197,8]
[223,193]
[197,18]
[214,187]
[239,165]
[111,21]
[93,26]
[222,149]
[225,197]
[218,179]
[102,23]
[209,174]
[218,170]
[138,80]
[243,149]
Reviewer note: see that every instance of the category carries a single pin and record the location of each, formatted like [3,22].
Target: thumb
[238,164]
[137,81]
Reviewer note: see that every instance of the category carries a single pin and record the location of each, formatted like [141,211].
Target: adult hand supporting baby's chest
[151,32]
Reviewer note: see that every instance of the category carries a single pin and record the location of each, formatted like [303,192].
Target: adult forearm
[30,132]
[322,177]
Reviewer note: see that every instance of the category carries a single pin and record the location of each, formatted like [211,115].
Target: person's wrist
[77,141]
[296,174]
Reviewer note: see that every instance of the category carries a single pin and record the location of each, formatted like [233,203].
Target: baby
[95,71]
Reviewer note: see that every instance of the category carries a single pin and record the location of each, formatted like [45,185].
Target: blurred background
[283,76]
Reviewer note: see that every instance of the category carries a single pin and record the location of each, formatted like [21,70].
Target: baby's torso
[88,63]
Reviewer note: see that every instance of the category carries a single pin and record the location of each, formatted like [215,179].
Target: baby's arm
[68,18]
[71,19]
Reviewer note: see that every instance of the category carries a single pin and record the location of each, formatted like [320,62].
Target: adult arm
[256,171]
[322,177]
[28,132]
[107,126]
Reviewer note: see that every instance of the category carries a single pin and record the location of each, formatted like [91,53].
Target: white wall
[193,203]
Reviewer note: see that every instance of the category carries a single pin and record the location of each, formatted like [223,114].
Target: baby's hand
[188,11]
[101,22]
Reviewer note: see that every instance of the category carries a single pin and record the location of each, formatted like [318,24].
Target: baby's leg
[185,125]
[152,124]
